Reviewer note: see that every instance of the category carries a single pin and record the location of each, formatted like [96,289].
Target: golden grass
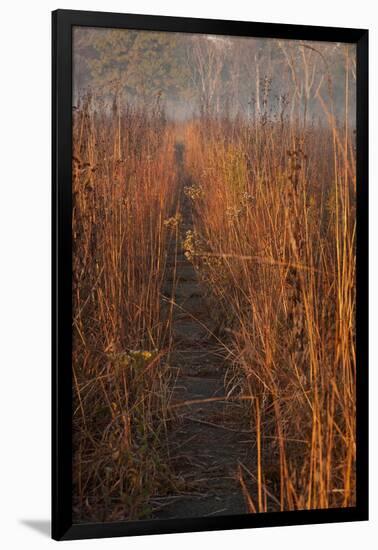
[274,237]
[123,190]
[274,240]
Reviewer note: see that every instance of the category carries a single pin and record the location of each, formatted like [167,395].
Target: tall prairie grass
[124,187]
[274,238]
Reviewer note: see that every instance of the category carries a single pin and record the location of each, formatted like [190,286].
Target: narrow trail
[206,440]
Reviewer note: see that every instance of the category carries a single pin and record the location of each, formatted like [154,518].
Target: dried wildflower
[133,358]
[174,221]
[189,245]
[234,212]
[247,197]
[193,192]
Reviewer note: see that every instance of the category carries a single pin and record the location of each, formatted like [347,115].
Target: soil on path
[207,439]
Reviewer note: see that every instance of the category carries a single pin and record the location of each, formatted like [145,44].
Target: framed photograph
[210,292]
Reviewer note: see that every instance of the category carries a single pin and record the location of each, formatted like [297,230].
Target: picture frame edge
[61,512]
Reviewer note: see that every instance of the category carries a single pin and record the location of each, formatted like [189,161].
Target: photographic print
[213,230]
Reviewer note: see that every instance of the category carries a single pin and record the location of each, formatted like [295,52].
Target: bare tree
[207,58]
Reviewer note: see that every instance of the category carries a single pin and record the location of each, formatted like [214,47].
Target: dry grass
[274,237]
[123,190]
[274,240]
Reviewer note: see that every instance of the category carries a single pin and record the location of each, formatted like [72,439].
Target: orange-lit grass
[274,220]
[123,189]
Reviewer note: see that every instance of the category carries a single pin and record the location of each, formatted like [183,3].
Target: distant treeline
[193,74]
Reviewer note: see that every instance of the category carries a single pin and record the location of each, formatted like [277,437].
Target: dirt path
[206,439]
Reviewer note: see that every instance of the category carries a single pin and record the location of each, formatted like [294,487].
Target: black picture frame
[62,23]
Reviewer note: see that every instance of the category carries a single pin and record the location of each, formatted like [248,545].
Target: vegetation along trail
[214,268]
[207,443]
